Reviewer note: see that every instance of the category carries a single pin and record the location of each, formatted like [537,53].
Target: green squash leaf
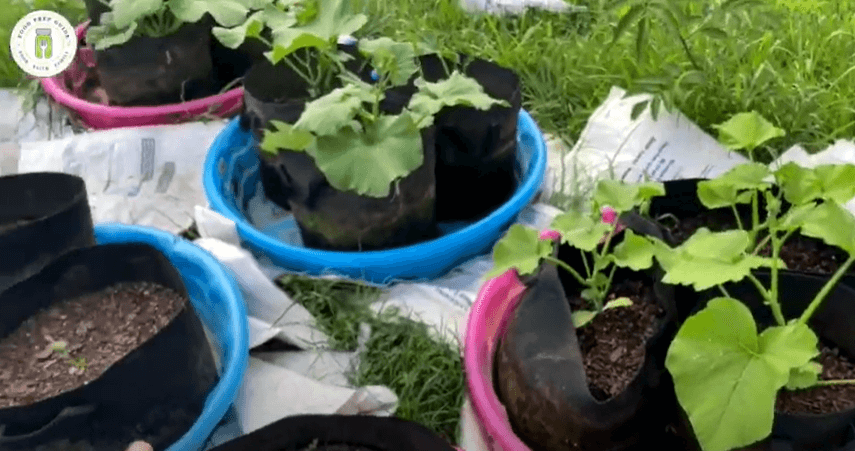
[103,37]
[235,36]
[796,216]
[582,317]
[799,185]
[457,89]
[397,60]
[708,259]
[128,12]
[833,224]
[582,232]
[227,13]
[333,19]
[520,248]
[727,189]
[718,361]
[634,252]
[288,40]
[285,137]
[334,111]
[368,162]
[747,131]
[837,181]
[622,196]
[805,376]
[619,302]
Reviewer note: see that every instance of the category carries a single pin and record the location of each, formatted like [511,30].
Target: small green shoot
[522,249]
[60,348]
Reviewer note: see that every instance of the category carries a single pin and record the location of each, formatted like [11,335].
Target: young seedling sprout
[523,249]
[60,348]
[726,374]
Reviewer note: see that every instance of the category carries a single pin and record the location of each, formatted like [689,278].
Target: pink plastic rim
[496,302]
[100,117]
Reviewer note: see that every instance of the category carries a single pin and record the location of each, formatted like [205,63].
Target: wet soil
[73,342]
[613,343]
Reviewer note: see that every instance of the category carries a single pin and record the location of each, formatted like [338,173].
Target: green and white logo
[43,43]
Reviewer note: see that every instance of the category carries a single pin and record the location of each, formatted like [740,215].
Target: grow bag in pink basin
[99,117]
[496,302]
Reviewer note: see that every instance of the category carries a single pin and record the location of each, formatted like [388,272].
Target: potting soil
[613,343]
[823,400]
[98,330]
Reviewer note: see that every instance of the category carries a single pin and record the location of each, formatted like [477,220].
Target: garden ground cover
[789,60]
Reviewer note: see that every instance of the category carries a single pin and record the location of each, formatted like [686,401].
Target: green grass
[427,376]
[783,59]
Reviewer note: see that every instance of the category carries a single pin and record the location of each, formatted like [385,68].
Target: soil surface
[97,330]
[800,253]
[821,400]
[613,343]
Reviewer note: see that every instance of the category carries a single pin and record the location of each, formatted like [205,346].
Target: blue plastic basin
[232,167]
[218,302]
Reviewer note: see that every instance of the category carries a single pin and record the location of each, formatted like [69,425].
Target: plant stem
[605,291]
[738,219]
[835,382]
[724,291]
[755,215]
[567,268]
[773,303]
[585,262]
[826,289]
[773,296]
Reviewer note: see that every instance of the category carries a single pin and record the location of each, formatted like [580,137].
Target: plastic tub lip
[376,262]
[236,354]
[100,116]
[488,318]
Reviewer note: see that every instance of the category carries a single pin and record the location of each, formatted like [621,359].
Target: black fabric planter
[148,71]
[95,8]
[296,433]
[155,393]
[42,216]
[231,64]
[476,150]
[834,323]
[545,389]
[328,218]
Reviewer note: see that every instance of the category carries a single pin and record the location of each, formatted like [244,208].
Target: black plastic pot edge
[296,433]
[42,216]
[126,402]
[644,409]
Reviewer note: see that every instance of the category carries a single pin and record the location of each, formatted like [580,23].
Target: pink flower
[609,216]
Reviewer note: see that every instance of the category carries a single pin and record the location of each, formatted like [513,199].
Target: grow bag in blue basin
[218,302]
[231,179]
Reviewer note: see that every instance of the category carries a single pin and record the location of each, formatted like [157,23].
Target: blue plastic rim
[231,154]
[217,300]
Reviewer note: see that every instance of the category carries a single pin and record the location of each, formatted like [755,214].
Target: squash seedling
[727,372]
[522,248]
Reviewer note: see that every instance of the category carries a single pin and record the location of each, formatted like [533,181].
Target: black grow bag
[476,149]
[42,216]
[148,71]
[681,201]
[834,323]
[328,218]
[545,388]
[154,394]
[95,8]
[297,433]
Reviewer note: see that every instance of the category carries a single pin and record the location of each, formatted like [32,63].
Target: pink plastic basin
[99,117]
[493,308]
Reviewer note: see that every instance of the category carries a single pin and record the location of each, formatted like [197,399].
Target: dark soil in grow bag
[149,71]
[328,218]
[338,433]
[148,364]
[42,216]
[476,149]
[600,387]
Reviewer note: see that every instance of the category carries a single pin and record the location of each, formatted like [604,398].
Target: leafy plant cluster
[343,127]
[160,18]
[523,249]
[727,368]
